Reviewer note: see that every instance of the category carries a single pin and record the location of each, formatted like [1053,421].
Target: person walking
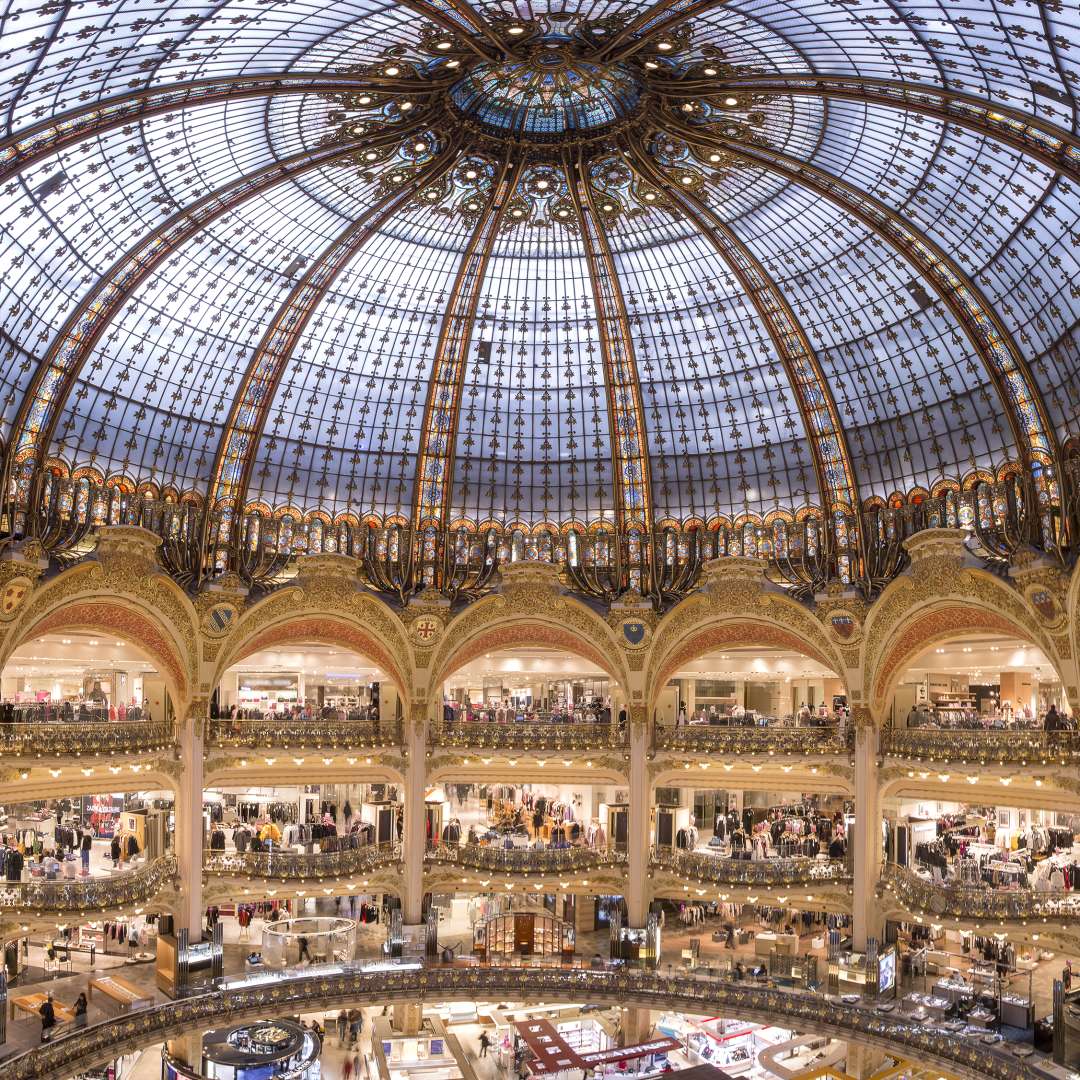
[346,1069]
[85,846]
[342,1025]
[485,1043]
[305,952]
[48,1018]
[80,1011]
[114,851]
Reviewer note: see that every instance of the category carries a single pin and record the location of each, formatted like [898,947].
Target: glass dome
[576,268]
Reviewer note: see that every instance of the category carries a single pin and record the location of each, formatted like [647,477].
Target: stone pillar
[637,900]
[407,1016]
[863,1062]
[188,1049]
[637,1025]
[189,823]
[413,842]
[867,839]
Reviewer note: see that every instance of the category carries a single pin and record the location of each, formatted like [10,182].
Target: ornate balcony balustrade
[80,739]
[662,565]
[525,860]
[983,747]
[284,864]
[713,870]
[135,886]
[332,987]
[528,736]
[284,733]
[774,739]
[916,893]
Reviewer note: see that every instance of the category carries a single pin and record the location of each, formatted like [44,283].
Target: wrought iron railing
[288,865]
[528,736]
[524,860]
[715,870]
[284,733]
[915,893]
[774,739]
[330,987]
[1018,510]
[59,739]
[979,746]
[136,886]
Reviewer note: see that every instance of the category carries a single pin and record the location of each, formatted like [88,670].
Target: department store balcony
[983,746]
[775,738]
[274,731]
[913,892]
[528,861]
[332,987]
[532,735]
[42,731]
[124,889]
[707,869]
[285,864]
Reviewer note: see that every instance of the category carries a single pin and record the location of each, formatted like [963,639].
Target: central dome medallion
[551,95]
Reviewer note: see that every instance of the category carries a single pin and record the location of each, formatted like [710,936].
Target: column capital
[198,712]
[418,717]
[862,718]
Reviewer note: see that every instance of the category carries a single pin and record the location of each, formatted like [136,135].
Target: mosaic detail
[551,95]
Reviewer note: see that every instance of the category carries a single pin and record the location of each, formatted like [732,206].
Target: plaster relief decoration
[13,596]
[426,630]
[635,633]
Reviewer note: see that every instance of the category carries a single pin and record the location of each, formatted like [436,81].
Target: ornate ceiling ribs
[1055,147]
[43,140]
[234,460]
[1033,432]
[431,501]
[630,459]
[655,21]
[58,371]
[832,460]
[462,20]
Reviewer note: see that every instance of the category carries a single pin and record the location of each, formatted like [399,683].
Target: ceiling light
[650,196]
[710,71]
[406,106]
[714,158]
[731,101]
[453,63]
[364,99]
[664,46]
[652,65]
[392,70]
[687,179]
[515,30]
[688,106]
[420,147]
[444,45]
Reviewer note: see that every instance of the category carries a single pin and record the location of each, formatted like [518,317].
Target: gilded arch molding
[737,607]
[529,610]
[123,593]
[940,597]
[289,617]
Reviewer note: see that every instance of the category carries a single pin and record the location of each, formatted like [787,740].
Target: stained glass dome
[537,267]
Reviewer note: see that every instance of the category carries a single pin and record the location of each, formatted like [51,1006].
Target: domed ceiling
[530,263]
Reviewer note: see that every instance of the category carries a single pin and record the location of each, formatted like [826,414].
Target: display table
[1017,1012]
[122,993]
[953,990]
[31,1004]
[784,944]
[936,1008]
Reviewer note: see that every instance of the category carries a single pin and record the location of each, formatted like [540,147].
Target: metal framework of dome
[620,286]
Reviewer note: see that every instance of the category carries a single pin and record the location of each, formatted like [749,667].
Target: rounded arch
[932,623]
[783,624]
[521,632]
[138,623]
[313,626]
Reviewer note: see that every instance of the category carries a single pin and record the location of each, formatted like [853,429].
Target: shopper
[85,847]
[346,1069]
[114,851]
[80,1011]
[48,1018]
[302,942]
[342,1025]
[485,1042]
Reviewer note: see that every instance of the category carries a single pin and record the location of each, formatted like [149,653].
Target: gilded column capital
[418,718]
[861,717]
[198,712]
[639,716]
[127,549]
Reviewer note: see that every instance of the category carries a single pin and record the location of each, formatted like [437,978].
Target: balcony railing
[714,870]
[916,893]
[285,864]
[524,860]
[528,736]
[331,987]
[79,739]
[983,747]
[282,733]
[774,739]
[135,886]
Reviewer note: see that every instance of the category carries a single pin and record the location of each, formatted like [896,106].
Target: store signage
[554,1054]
